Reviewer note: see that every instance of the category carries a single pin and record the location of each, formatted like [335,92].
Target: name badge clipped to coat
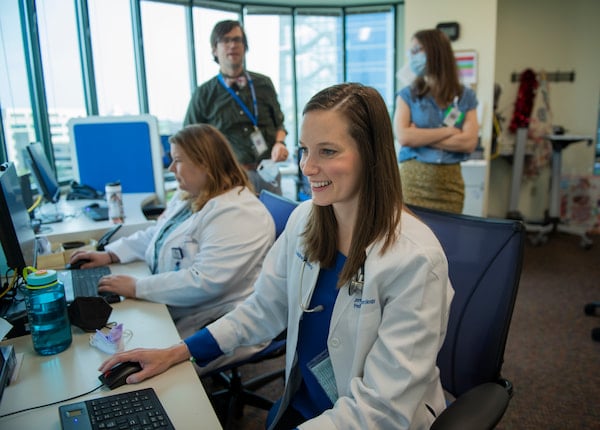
[258,140]
[177,257]
[321,368]
[453,115]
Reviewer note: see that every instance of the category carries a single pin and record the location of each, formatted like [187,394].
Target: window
[204,21]
[15,101]
[167,67]
[319,53]
[62,75]
[114,63]
[369,51]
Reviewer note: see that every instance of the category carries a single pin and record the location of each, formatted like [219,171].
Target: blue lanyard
[253,118]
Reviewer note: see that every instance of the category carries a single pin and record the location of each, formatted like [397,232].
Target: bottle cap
[41,277]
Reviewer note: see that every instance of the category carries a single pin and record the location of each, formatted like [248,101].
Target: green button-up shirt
[212,104]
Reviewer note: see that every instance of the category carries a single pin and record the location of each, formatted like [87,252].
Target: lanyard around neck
[253,118]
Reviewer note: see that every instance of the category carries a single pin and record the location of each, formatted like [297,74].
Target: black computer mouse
[117,375]
[77,265]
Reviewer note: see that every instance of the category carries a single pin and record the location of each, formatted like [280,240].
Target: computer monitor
[43,173]
[16,234]
[124,148]
[44,178]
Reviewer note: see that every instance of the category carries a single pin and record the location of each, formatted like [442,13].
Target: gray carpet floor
[550,357]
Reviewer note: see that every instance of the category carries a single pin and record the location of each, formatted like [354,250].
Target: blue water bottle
[47,311]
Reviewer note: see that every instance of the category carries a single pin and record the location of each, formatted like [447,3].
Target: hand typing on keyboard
[123,285]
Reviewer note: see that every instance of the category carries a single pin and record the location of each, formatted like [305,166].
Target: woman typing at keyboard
[207,248]
[357,281]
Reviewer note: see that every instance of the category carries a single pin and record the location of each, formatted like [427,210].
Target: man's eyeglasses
[237,40]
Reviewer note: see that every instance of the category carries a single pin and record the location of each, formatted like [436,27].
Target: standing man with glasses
[243,105]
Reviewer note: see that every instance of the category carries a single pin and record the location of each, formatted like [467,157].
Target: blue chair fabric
[485,258]
[279,207]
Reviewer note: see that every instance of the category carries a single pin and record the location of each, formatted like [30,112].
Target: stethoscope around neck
[356,286]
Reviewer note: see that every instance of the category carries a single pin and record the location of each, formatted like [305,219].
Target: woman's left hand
[122,285]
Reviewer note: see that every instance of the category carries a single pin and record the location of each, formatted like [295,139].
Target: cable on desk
[9,286]
[50,404]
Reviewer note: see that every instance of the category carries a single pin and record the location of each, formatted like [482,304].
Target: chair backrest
[484,261]
[280,208]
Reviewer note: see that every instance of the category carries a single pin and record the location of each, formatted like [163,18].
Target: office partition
[118,148]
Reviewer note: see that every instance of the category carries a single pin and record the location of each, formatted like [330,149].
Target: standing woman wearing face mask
[435,124]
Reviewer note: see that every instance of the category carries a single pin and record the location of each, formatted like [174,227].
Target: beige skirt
[435,186]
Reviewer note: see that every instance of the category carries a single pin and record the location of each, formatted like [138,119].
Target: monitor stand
[50,218]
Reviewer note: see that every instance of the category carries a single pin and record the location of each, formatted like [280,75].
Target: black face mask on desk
[89,313]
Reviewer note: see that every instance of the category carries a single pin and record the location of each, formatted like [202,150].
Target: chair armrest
[480,408]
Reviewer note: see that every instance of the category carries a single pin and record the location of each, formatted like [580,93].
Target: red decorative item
[524,102]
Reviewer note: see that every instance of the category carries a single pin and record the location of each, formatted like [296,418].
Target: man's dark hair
[221,29]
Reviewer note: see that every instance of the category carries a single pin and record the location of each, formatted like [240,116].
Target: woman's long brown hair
[441,72]
[380,194]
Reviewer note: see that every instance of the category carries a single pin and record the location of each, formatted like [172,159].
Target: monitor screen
[16,233]
[124,148]
[42,172]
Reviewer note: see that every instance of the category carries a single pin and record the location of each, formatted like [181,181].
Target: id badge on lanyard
[258,140]
[453,115]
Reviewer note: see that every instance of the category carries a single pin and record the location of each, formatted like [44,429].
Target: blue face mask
[417,63]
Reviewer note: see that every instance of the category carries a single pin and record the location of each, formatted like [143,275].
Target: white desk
[77,226]
[46,379]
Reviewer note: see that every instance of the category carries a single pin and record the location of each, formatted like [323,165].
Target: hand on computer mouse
[77,263]
[153,360]
[88,259]
[117,375]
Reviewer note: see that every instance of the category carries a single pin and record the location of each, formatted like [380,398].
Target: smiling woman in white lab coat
[360,284]
[207,248]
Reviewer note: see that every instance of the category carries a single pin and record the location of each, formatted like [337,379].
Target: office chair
[236,392]
[484,262]
[279,207]
[590,309]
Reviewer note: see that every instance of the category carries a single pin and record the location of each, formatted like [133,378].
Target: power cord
[51,404]
[7,287]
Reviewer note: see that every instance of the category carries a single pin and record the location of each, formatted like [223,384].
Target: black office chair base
[238,394]
[590,308]
[241,393]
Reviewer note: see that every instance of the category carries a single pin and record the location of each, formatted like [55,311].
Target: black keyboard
[139,409]
[85,281]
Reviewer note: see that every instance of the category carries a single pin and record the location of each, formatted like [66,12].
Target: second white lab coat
[383,343]
[222,248]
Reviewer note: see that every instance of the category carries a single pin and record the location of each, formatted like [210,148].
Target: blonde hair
[208,147]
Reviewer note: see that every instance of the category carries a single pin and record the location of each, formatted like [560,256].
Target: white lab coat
[383,345]
[223,247]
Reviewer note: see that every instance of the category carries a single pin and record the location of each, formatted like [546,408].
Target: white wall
[509,36]
[477,19]
[550,35]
